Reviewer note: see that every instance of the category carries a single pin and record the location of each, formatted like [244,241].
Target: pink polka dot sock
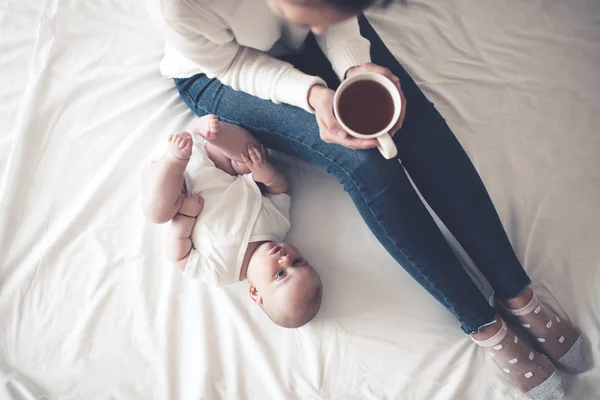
[554,336]
[531,372]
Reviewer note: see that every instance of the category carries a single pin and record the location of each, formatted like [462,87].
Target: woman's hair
[354,6]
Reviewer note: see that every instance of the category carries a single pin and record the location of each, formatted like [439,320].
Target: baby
[223,229]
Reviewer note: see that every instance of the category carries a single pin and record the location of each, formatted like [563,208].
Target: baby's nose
[285,260]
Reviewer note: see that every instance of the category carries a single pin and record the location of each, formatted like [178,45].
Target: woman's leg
[379,188]
[449,182]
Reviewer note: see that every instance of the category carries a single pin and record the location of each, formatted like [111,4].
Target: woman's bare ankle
[488,331]
[520,301]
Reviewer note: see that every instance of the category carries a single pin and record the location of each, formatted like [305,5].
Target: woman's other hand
[320,99]
[370,67]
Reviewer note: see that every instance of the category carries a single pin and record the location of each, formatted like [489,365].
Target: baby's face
[280,273]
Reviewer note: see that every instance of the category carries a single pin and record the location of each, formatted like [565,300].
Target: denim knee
[364,168]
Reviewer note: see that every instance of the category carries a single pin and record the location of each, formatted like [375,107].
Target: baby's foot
[181,145]
[555,337]
[531,372]
[191,205]
[208,127]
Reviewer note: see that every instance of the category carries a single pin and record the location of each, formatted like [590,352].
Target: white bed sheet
[90,309]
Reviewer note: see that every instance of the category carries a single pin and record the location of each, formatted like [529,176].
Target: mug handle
[387,147]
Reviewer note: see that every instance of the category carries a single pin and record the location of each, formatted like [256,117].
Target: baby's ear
[253,292]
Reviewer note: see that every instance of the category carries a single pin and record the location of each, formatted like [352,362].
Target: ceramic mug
[386,144]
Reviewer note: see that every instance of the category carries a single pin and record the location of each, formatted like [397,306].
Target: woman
[255,64]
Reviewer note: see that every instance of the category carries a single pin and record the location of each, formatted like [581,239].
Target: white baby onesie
[235,213]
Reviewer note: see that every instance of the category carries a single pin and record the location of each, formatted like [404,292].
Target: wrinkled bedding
[90,308]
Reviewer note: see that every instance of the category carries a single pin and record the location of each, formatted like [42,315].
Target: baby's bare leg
[225,143]
[162,181]
[178,242]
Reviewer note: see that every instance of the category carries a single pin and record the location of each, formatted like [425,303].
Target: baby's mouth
[275,250]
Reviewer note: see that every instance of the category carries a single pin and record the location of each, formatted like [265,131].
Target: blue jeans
[387,202]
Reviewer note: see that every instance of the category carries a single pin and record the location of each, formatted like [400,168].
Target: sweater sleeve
[345,47]
[202,37]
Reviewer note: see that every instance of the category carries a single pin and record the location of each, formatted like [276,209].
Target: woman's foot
[555,337]
[531,372]
[207,126]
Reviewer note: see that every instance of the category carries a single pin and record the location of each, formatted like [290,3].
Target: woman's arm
[190,29]
[345,47]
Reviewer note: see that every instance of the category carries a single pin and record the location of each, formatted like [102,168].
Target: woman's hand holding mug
[320,99]
[324,101]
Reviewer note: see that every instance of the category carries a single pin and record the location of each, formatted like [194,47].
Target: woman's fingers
[331,132]
[355,143]
[253,154]
[343,139]
[370,67]
[331,124]
[264,151]
[246,160]
[385,72]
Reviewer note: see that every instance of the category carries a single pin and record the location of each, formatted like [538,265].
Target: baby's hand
[256,161]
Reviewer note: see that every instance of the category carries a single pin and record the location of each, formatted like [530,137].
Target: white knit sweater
[236,41]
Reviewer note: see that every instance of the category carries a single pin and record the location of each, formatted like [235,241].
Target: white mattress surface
[90,308]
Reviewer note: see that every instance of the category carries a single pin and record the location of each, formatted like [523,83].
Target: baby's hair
[311,308]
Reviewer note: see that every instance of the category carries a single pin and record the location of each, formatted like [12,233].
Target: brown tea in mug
[366,107]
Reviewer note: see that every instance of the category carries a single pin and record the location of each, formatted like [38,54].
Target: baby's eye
[298,261]
[280,274]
